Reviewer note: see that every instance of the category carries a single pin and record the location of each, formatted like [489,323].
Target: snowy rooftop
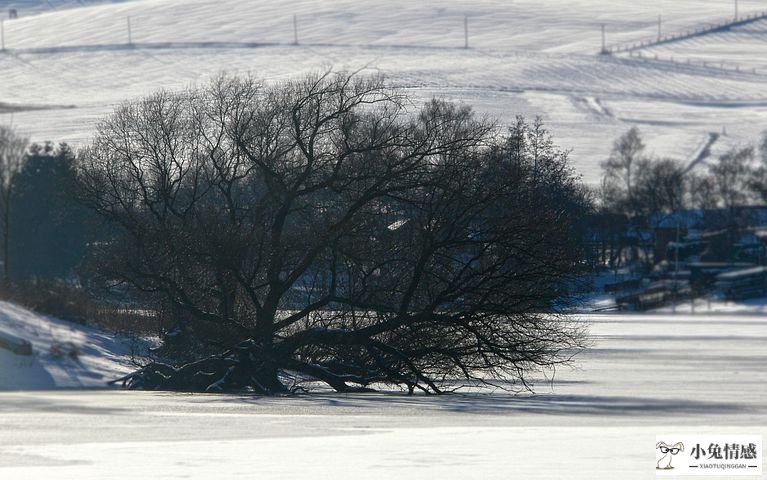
[741,273]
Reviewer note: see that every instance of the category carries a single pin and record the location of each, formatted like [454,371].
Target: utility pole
[604,47]
[692,302]
[465,31]
[130,35]
[295,30]
[676,264]
[660,28]
[2,34]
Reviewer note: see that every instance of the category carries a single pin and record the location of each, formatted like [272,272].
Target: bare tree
[12,157]
[660,187]
[700,191]
[626,157]
[345,238]
[758,181]
[731,175]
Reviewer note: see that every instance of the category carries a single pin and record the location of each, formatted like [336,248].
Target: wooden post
[295,30]
[604,46]
[465,31]
[2,34]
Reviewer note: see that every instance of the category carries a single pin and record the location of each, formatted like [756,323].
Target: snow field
[427,452]
[560,89]
[740,47]
[645,375]
[572,26]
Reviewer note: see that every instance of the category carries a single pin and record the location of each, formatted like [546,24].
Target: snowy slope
[524,24]
[100,357]
[527,57]
[31,7]
[730,49]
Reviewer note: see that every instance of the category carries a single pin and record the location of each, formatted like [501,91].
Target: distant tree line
[45,229]
[638,185]
[639,192]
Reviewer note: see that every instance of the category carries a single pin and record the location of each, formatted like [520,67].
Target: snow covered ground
[98,357]
[530,58]
[729,49]
[645,375]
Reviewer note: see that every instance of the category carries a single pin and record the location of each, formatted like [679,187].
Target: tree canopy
[339,234]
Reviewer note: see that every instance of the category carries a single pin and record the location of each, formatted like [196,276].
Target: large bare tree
[345,236]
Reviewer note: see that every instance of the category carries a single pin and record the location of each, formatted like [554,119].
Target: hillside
[732,48]
[64,354]
[31,7]
[528,58]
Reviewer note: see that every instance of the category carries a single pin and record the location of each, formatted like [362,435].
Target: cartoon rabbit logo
[667,453]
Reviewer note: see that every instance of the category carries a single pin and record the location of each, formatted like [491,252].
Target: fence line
[685,35]
[720,65]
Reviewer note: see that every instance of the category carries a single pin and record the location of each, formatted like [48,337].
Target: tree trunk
[243,368]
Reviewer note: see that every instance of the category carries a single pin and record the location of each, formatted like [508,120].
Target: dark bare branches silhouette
[341,236]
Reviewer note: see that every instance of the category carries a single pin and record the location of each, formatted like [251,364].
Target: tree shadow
[504,404]
[40,401]
[110,47]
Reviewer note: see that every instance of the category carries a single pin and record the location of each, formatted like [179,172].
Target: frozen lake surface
[644,375]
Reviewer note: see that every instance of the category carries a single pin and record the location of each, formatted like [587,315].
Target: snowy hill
[732,48]
[27,7]
[525,25]
[64,354]
[530,58]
